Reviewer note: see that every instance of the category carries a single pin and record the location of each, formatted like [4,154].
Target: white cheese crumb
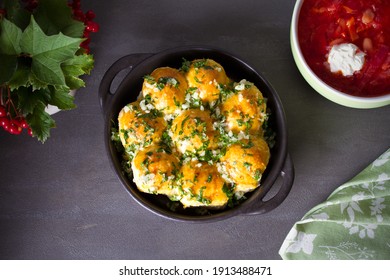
[150,106]
[184,145]
[147,178]
[142,105]
[241,85]
[149,85]
[195,95]
[168,117]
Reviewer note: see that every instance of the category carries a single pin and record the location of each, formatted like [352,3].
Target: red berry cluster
[11,119]
[87,19]
[13,125]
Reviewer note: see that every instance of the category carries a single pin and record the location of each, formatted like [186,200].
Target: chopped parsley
[167,81]
[162,81]
[185,66]
[247,165]
[149,79]
[257,174]
[201,198]
[202,63]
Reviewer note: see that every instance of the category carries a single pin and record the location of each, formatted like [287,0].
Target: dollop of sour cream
[346,58]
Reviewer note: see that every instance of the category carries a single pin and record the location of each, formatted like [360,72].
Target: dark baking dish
[141,64]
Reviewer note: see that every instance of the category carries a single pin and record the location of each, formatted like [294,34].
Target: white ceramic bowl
[321,87]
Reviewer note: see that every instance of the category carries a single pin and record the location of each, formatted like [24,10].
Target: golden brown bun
[166,87]
[192,131]
[245,109]
[206,75]
[136,129]
[154,171]
[202,185]
[245,163]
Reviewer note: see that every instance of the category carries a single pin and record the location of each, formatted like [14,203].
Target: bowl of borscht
[342,49]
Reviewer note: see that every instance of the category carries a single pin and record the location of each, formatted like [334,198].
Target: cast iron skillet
[141,64]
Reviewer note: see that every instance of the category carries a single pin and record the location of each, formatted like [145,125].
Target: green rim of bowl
[316,83]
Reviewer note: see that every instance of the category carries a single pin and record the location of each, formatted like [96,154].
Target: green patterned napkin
[353,223]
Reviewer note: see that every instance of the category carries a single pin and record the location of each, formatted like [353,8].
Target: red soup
[348,34]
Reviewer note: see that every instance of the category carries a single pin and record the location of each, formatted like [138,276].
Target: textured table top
[62,200]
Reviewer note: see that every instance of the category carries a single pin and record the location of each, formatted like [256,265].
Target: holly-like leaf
[61,98]
[75,67]
[20,77]
[23,77]
[74,82]
[47,53]
[55,16]
[29,99]
[79,65]
[10,36]
[40,122]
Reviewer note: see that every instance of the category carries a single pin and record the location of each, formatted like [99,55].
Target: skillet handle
[126,62]
[287,174]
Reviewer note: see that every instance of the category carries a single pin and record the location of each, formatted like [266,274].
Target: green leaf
[74,82]
[23,77]
[40,122]
[47,53]
[29,99]
[10,36]
[55,16]
[83,63]
[61,98]
[7,67]
[36,82]
[75,67]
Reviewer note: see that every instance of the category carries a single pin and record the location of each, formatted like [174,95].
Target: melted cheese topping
[193,131]
[166,87]
[207,75]
[245,162]
[139,128]
[202,185]
[154,171]
[245,109]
